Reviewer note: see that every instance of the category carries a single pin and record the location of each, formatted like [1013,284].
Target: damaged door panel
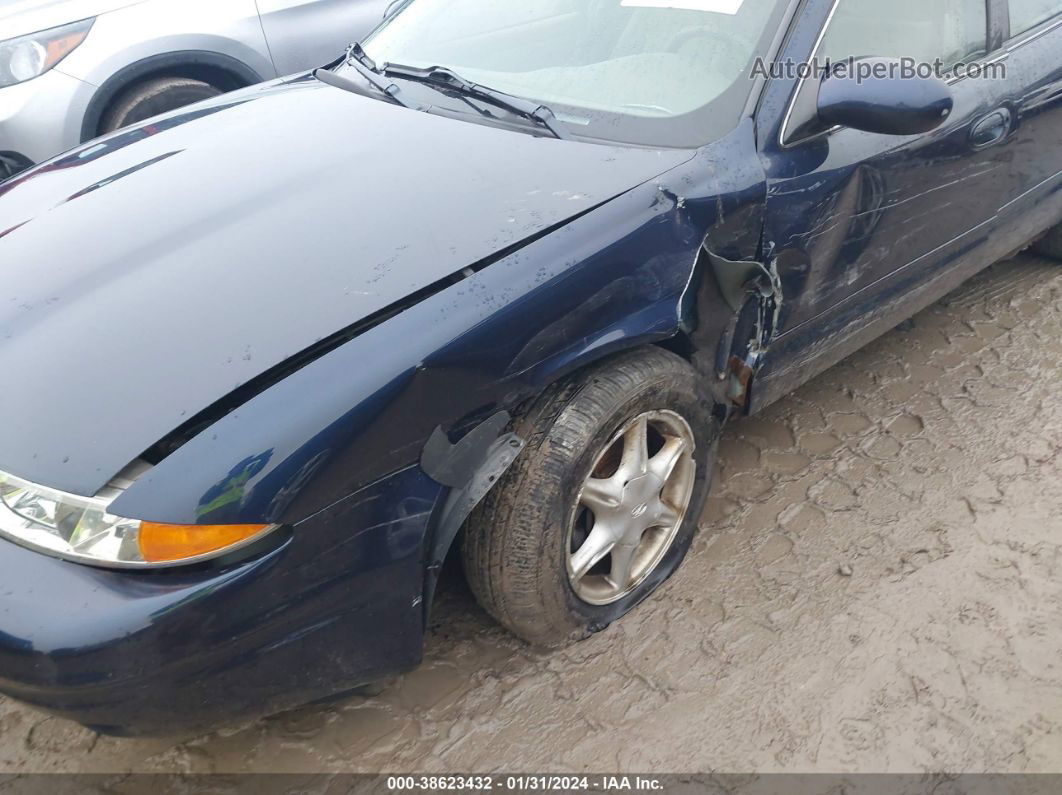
[854,219]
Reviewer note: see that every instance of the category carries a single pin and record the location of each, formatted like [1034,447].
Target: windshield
[667,72]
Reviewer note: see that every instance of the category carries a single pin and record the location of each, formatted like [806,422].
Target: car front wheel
[602,506]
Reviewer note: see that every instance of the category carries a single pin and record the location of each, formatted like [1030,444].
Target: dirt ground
[877,586]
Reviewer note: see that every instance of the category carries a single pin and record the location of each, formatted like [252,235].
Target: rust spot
[740,373]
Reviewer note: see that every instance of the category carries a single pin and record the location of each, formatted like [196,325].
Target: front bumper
[42,117]
[338,605]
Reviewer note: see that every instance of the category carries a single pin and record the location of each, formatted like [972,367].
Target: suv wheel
[152,97]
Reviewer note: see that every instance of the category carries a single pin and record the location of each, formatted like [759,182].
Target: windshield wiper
[444,77]
[367,68]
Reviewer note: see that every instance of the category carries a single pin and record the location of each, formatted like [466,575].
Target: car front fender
[616,277]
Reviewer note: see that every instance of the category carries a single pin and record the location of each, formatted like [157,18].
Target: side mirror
[883,95]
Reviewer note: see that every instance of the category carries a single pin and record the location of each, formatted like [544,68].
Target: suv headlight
[82,530]
[30,56]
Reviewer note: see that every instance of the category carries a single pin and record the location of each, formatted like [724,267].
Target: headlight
[81,529]
[30,56]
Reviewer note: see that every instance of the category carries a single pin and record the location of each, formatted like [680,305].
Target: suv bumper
[42,117]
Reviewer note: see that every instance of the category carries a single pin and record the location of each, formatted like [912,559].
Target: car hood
[153,272]
[29,16]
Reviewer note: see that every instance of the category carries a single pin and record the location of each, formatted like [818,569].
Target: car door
[862,225]
[1031,190]
[303,34]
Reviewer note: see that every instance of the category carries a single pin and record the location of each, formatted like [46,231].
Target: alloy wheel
[630,506]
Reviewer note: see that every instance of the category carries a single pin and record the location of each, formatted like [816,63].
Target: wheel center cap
[639,493]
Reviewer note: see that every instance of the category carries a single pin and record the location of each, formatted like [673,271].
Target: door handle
[992,129]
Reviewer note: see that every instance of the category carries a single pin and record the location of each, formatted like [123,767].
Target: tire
[153,97]
[1050,245]
[519,543]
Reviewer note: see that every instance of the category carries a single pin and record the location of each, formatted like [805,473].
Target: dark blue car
[493,281]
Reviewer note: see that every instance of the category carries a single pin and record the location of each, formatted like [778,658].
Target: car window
[636,62]
[1027,14]
[488,18]
[951,31]
[637,57]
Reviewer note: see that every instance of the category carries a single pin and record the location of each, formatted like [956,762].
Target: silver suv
[74,69]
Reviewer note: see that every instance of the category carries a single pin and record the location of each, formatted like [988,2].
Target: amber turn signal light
[171,543]
[58,49]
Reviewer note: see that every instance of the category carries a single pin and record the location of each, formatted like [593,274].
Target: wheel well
[204,73]
[680,345]
[220,71]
